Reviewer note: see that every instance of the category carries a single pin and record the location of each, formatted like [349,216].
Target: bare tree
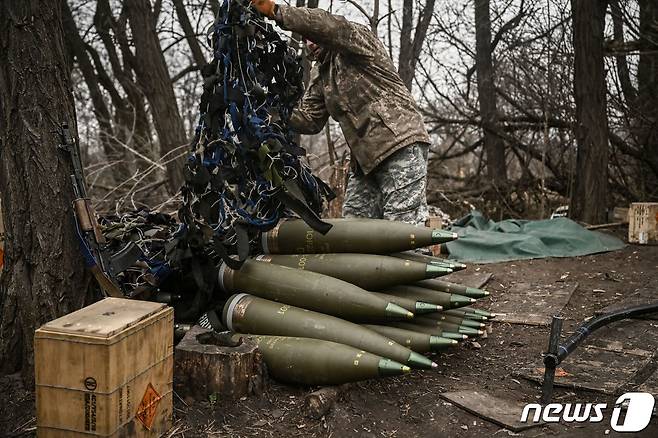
[153,78]
[412,38]
[530,114]
[190,36]
[647,78]
[132,127]
[590,196]
[494,146]
[108,138]
[44,274]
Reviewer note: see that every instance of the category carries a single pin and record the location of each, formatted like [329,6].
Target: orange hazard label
[148,406]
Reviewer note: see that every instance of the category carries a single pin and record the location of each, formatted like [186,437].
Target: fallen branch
[610,225]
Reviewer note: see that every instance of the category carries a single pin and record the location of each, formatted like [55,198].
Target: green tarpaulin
[484,241]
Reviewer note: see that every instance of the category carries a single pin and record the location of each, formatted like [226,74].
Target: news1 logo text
[634,418]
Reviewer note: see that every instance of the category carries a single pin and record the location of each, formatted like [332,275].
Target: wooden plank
[613,358]
[640,297]
[500,411]
[469,277]
[531,304]
[529,319]
[593,369]
[619,214]
[602,226]
[629,336]
[650,385]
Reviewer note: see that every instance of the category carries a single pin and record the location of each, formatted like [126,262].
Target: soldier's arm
[332,32]
[311,115]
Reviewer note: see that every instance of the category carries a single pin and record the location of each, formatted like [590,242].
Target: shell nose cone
[388,367]
[474,324]
[470,331]
[460,300]
[397,312]
[432,271]
[476,293]
[453,335]
[443,236]
[422,307]
[419,361]
[439,342]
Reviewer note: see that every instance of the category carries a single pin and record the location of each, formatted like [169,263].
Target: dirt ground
[410,406]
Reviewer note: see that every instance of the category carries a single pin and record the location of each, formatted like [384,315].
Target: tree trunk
[406,44]
[188,30]
[494,146]
[131,124]
[154,79]
[44,276]
[411,48]
[647,79]
[589,199]
[623,71]
[112,149]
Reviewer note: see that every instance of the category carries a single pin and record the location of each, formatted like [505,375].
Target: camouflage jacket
[357,84]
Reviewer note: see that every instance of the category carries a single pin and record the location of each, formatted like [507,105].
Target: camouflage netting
[245,172]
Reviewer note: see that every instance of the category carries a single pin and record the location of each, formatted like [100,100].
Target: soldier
[354,81]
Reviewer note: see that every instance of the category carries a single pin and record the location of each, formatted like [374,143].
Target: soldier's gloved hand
[265,7]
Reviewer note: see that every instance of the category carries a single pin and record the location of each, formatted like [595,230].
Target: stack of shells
[356,303]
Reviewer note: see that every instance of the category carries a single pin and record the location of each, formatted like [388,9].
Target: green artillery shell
[470,323]
[441,316]
[415,307]
[248,314]
[418,342]
[480,312]
[316,362]
[455,328]
[411,255]
[435,330]
[309,290]
[461,313]
[362,236]
[444,286]
[368,271]
[443,299]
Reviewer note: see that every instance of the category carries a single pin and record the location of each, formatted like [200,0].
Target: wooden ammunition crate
[643,223]
[105,370]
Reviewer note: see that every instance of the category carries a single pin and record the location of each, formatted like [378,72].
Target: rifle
[92,242]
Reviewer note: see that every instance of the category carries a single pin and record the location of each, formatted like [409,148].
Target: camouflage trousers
[394,190]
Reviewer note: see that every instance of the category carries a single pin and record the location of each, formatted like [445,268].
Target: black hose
[588,327]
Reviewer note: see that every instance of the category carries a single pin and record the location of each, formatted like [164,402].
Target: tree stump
[211,364]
